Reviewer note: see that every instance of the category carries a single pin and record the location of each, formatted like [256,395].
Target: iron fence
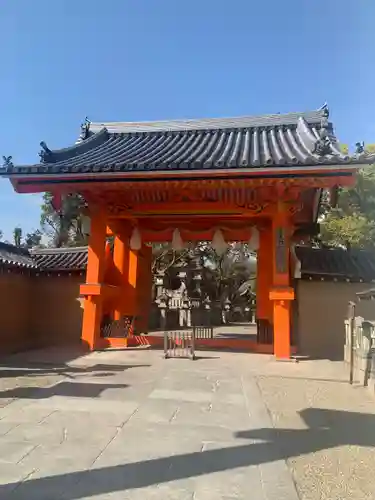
[203,332]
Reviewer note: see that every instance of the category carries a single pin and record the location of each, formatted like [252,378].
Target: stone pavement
[128,425]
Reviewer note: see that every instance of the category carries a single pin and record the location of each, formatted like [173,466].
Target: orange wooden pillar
[144,290]
[264,307]
[281,292]
[92,290]
[121,271]
[108,277]
[133,270]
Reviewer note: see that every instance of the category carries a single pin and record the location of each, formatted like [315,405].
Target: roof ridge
[317,112]
[243,121]
[61,250]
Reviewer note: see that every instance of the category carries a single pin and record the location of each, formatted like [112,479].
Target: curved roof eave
[79,148]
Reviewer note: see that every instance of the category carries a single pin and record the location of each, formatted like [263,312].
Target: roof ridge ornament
[323,144]
[360,147]
[7,162]
[85,129]
[319,142]
[45,153]
[324,108]
[363,153]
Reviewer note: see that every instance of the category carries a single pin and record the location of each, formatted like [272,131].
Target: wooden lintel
[140,214]
[199,210]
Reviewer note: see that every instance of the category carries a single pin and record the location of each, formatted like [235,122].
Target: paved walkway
[129,425]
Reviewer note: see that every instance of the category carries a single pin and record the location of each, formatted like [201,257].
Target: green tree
[63,228]
[352,222]
[17,236]
[33,239]
[164,257]
[223,275]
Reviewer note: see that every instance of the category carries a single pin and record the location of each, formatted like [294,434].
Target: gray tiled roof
[293,139]
[355,265]
[13,256]
[60,259]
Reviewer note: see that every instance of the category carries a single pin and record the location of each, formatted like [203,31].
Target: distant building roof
[288,140]
[12,256]
[60,259]
[43,259]
[336,263]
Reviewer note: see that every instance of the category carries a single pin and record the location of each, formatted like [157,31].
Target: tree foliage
[166,258]
[17,236]
[352,223]
[33,239]
[222,275]
[64,227]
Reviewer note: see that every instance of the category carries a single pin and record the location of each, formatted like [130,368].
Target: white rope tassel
[218,242]
[254,240]
[177,242]
[297,263]
[136,239]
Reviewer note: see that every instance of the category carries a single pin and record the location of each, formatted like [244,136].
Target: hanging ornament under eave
[136,240]
[177,242]
[297,263]
[218,242]
[254,239]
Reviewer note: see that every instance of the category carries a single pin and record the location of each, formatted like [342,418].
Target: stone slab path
[129,425]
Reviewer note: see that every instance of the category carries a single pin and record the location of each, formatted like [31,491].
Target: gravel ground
[324,427]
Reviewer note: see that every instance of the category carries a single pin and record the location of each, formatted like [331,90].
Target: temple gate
[249,179]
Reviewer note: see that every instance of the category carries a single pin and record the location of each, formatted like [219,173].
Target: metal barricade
[203,332]
[179,344]
[119,328]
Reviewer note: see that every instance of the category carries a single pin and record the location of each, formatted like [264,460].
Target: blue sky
[158,59]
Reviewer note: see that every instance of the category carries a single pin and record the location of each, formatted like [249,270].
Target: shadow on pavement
[39,369]
[70,389]
[327,429]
